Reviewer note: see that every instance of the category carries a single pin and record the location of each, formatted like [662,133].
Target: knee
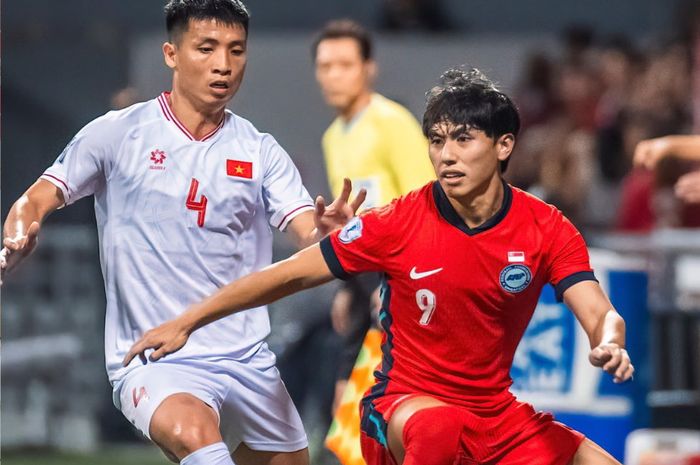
[181,428]
[431,436]
[185,439]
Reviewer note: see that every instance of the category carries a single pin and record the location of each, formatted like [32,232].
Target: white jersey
[178,218]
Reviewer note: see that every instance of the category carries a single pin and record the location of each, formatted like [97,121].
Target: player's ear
[371,69]
[169,54]
[505,145]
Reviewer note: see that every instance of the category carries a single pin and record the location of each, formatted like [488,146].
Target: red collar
[164,102]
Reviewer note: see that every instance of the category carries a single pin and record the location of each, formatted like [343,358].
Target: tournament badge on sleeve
[343,437]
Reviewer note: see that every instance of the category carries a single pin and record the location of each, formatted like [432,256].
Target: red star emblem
[157,157]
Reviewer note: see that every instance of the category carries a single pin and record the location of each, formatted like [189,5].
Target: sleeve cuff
[58,182]
[332,259]
[570,280]
[282,220]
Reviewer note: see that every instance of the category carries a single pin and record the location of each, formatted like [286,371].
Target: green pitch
[108,456]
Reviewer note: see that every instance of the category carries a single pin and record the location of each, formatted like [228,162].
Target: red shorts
[517,435]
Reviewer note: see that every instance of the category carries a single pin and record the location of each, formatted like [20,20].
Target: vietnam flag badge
[239,169]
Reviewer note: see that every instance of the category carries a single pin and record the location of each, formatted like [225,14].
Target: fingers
[320,206]
[624,370]
[359,199]
[11,244]
[647,153]
[33,230]
[139,348]
[347,188]
[32,235]
[614,361]
[688,187]
[158,354]
[599,356]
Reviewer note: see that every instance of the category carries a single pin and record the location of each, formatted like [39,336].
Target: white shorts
[249,396]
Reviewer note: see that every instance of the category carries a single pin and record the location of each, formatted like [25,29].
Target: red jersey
[456,300]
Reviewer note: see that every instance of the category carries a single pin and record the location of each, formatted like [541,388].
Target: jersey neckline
[164,102]
[448,212]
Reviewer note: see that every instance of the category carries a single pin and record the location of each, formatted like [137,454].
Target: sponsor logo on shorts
[137,394]
[515,278]
[351,231]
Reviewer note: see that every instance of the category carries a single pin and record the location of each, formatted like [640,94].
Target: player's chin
[454,187]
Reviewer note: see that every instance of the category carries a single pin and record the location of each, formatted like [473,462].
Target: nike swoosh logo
[416,275]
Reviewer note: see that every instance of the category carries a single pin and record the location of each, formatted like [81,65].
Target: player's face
[465,159]
[208,60]
[341,71]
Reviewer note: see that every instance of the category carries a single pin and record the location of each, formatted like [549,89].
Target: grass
[141,455]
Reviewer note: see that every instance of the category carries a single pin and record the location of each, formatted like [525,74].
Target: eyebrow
[454,133]
[211,40]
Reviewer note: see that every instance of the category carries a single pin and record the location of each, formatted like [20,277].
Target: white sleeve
[80,170]
[284,195]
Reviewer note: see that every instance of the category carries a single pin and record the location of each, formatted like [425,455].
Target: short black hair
[341,29]
[470,99]
[178,14]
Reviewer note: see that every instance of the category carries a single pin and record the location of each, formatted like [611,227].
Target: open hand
[16,248]
[165,339]
[613,360]
[335,215]
[688,187]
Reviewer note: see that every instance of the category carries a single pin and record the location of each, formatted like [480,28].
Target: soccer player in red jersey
[465,259]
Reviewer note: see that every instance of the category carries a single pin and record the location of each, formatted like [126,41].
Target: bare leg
[182,424]
[244,455]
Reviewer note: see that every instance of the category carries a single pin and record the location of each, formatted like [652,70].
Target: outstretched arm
[21,228]
[301,271]
[310,227]
[604,326]
[649,152]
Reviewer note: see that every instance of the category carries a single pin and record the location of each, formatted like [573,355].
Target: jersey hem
[269,446]
[570,280]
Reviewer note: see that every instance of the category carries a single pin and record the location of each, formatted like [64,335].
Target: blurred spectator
[376,143]
[650,153]
[584,115]
[415,14]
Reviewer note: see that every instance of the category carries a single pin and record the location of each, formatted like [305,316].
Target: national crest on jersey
[179,218]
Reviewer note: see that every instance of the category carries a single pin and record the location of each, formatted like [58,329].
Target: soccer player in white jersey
[185,193]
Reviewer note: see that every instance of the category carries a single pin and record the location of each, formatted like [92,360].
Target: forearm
[35,204]
[684,147]
[302,271]
[610,328]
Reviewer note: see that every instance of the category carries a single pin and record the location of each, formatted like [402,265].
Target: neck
[199,119]
[481,204]
[356,106]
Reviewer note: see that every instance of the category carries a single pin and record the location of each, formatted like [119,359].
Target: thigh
[523,438]
[400,415]
[143,389]
[257,409]
[244,455]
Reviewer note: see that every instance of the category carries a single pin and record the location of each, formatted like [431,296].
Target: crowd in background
[585,111]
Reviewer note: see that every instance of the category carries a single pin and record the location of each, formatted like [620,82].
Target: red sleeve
[361,246]
[568,257]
